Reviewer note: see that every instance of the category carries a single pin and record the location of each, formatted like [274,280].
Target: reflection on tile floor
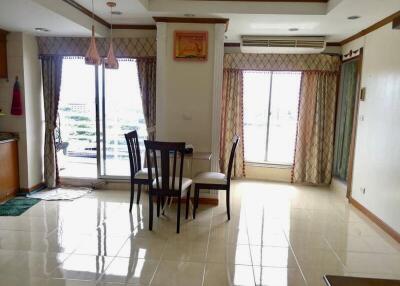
[279,235]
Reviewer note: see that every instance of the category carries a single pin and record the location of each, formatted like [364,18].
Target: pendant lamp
[111,61]
[92,56]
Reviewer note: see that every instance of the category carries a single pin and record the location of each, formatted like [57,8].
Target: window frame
[266,163]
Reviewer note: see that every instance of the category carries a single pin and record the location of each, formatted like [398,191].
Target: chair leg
[178,217]
[132,195]
[195,198]
[138,193]
[158,206]
[187,203]
[228,208]
[150,212]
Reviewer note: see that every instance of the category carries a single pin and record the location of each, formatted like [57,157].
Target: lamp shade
[111,61]
[92,56]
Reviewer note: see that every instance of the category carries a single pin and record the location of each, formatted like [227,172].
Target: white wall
[184,105]
[22,58]
[34,110]
[377,156]
[11,123]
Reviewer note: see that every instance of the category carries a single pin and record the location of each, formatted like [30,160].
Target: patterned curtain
[315,128]
[344,122]
[232,121]
[147,82]
[51,73]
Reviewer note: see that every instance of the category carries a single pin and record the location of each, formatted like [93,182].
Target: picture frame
[191,45]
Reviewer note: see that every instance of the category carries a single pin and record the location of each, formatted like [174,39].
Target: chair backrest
[235,142]
[132,142]
[158,155]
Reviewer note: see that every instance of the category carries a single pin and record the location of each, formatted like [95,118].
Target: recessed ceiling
[26,15]
[246,17]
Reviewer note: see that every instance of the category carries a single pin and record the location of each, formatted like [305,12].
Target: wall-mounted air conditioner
[282,45]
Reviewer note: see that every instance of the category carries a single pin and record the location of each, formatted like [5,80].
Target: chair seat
[186,182]
[210,178]
[143,173]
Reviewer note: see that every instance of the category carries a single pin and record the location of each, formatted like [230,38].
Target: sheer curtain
[232,120]
[51,77]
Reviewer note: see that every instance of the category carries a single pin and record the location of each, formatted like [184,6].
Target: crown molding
[100,20]
[372,28]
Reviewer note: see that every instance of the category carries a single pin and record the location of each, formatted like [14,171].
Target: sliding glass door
[97,107]
[76,132]
[121,112]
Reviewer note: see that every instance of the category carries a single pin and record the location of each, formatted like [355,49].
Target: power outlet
[362,190]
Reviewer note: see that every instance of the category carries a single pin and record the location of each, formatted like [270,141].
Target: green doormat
[17,206]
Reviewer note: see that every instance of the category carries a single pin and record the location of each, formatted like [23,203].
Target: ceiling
[246,17]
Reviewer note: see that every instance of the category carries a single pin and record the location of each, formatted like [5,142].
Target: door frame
[350,169]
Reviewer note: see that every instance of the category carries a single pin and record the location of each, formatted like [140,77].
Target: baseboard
[385,227]
[33,188]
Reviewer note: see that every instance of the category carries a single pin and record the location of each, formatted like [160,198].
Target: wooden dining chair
[216,181]
[139,175]
[163,181]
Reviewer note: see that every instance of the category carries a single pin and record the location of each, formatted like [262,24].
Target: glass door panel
[283,117]
[76,132]
[122,111]
[256,87]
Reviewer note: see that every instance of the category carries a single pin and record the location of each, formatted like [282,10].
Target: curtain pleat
[51,77]
[147,83]
[315,128]
[232,121]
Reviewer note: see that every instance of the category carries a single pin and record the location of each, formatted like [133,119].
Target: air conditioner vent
[263,44]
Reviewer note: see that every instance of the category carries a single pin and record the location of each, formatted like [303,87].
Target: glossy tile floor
[279,235]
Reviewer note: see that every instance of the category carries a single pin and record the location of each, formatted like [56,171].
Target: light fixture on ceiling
[293,29]
[111,61]
[354,17]
[117,13]
[92,55]
[42,30]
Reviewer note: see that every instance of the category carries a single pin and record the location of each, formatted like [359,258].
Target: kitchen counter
[6,137]
[9,175]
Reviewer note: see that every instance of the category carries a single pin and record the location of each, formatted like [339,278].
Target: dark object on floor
[17,206]
[332,280]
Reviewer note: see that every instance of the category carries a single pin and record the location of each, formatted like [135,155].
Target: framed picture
[190,46]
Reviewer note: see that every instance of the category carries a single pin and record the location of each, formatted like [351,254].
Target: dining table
[333,280]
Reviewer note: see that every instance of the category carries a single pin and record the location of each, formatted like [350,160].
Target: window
[76,135]
[90,137]
[270,102]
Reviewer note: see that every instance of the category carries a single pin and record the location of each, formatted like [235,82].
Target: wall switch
[363,94]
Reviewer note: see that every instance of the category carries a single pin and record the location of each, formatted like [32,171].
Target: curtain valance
[77,47]
[282,62]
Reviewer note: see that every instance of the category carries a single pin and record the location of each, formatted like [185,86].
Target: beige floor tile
[34,264]
[228,275]
[276,276]
[59,243]
[130,271]
[229,254]
[179,273]
[185,251]
[273,256]
[82,267]
[147,248]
